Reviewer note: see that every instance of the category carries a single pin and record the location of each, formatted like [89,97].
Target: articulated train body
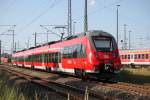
[90,52]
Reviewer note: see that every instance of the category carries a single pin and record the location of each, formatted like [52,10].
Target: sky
[28,15]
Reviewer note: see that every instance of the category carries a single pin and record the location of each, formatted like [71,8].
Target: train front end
[105,55]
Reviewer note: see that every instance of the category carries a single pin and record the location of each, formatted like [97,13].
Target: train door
[81,56]
[42,60]
[132,58]
[59,61]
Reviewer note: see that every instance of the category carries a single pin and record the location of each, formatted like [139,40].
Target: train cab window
[102,44]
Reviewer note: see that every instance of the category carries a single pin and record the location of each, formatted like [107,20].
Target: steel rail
[60,88]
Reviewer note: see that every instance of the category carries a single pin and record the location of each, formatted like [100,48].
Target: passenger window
[125,57]
[128,56]
[142,56]
[135,56]
[146,56]
[139,56]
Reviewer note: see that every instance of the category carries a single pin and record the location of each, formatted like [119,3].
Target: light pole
[117,23]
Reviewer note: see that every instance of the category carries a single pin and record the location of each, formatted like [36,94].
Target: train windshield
[103,44]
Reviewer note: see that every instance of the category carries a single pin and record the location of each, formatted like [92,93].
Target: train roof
[99,33]
[88,33]
[135,51]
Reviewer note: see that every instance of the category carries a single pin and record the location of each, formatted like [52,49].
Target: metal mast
[130,40]
[85,18]
[35,39]
[125,37]
[69,18]
[117,23]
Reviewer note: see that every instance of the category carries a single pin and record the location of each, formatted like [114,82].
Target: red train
[90,52]
[4,60]
[135,58]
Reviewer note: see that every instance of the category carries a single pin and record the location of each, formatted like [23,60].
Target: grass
[139,71]
[15,88]
[9,93]
[136,76]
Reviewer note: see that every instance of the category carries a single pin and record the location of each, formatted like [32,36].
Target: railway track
[137,89]
[130,88]
[62,89]
[79,90]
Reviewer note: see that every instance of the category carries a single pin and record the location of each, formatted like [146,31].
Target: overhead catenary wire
[35,10]
[56,2]
[100,9]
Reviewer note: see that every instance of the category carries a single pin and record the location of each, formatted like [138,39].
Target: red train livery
[90,52]
[134,58]
[4,60]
